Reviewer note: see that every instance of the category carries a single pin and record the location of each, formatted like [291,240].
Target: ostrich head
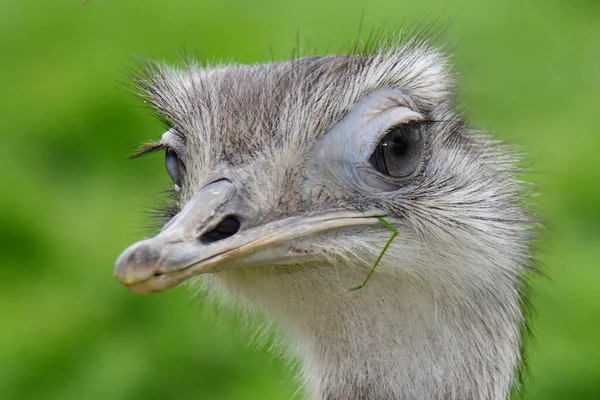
[281,174]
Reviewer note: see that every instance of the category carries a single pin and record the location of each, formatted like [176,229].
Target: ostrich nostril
[226,228]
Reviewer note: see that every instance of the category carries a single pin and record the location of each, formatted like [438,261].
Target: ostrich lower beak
[178,253]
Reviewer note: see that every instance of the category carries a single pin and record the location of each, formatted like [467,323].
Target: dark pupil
[399,152]
[397,147]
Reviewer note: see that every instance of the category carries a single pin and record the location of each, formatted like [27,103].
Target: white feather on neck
[428,328]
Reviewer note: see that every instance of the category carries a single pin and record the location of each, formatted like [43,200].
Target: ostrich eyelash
[148,148]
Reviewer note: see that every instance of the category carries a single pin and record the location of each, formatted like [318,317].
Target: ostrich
[283,174]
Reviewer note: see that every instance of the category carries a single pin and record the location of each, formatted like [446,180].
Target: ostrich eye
[173,167]
[399,152]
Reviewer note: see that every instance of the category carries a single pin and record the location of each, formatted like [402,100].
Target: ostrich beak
[180,250]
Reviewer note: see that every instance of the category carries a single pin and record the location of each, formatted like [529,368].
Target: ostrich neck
[393,339]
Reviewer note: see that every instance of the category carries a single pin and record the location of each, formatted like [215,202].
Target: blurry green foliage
[70,202]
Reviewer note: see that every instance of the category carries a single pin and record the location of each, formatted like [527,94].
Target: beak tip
[125,280]
[136,264]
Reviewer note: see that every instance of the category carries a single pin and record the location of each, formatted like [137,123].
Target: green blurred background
[70,202]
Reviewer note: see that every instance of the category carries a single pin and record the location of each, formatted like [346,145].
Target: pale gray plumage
[290,141]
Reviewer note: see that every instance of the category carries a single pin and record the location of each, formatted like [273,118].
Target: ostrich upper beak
[181,251]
